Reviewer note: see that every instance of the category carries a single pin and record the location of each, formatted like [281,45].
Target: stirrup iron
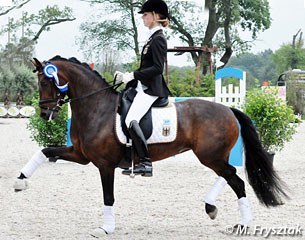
[129,144]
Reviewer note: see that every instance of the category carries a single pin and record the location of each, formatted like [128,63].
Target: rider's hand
[118,76]
[123,77]
[127,77]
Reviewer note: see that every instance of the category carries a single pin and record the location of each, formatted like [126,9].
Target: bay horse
[209,129]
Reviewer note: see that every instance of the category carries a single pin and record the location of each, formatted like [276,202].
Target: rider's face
[149,19]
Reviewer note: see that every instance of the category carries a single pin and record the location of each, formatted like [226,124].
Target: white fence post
[225,94]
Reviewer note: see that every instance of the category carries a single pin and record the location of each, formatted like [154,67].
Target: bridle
[60,101]
[61,93]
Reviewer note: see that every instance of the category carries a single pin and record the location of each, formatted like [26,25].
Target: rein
[115,86]
[60,101]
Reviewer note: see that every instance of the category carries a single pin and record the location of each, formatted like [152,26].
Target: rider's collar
[153,30]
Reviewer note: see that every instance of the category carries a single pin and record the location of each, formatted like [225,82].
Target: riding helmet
[157,6]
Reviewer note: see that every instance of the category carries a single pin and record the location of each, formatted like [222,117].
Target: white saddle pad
[164,122]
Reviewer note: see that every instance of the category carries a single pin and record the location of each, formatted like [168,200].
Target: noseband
[55,108]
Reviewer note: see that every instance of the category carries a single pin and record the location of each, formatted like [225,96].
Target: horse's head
[53,85]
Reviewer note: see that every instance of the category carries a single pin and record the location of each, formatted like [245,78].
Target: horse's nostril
[43,115]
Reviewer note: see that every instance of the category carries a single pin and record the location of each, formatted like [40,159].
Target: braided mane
[75,60]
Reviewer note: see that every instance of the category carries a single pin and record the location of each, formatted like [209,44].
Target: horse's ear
[37,64]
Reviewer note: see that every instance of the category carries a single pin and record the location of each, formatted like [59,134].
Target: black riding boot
[144,167]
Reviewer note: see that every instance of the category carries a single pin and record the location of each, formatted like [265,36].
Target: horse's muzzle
[48,114]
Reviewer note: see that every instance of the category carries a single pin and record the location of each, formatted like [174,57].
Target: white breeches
[141,104]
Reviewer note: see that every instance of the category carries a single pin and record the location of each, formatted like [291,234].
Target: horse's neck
[83,84]
[95,109]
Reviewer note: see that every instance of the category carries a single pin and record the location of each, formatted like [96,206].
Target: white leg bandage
[215,191]
[245,211]
[109,219]
[37,159]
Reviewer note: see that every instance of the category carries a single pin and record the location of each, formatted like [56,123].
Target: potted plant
[48,133]
[273,118]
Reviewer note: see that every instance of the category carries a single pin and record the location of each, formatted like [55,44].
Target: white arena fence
[16,112]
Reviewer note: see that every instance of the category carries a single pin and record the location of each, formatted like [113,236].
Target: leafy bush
[48,133]
[7,78]
[182,83]
[273,118]
[16,81]
[25,81]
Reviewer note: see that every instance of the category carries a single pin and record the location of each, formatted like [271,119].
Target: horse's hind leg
[228,172]
[210,199]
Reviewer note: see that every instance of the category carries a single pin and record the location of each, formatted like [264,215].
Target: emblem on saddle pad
[166,127]
[164,121]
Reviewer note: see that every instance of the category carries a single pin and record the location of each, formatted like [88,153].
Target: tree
[21,55]
[16,5]
[259,67]
[44,20]
[24,82]
[224,18]
[115,27]
[290,55]
[16,78]
[221,29]
[182,83]
[16,83]
[6,84]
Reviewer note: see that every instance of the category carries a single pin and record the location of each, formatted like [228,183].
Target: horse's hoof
[211,210]
[99,233]
[20,185]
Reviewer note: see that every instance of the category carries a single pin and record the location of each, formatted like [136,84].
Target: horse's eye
[44,82]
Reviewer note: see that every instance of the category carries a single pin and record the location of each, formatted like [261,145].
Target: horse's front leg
[65,153]
[107,178]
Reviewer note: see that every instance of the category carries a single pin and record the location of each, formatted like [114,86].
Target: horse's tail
[261,175]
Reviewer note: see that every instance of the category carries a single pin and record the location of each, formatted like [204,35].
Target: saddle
[126,99]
